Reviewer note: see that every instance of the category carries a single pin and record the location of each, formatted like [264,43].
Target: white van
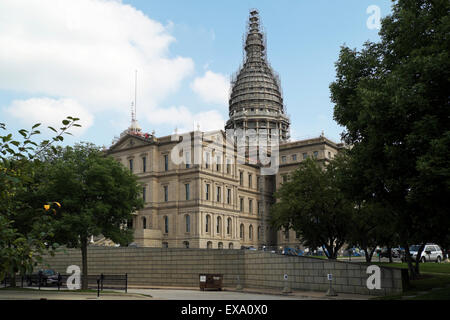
[431,252]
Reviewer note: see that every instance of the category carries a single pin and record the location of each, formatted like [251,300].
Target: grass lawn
[428,267]
[433,284]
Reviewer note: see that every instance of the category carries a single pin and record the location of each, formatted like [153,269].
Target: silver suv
[431,252]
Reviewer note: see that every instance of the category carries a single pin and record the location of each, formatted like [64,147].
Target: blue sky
[79,58]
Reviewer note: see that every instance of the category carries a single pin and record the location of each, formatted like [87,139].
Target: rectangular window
[219,190]
[241,204]
[259,207]
[283,159]
[316,154]
[207,160]
[258,183]
[144,193]
[188,223]
[166,193]
[329,154]
[294,157]
[131,165]
[144,164]
[207,191]
[241,178]
[250,182]
[166,162]
[188,160]
[305,156]
[228,166]
[166,224]
[250,205]
[218,160]
[186,186]
[228,196]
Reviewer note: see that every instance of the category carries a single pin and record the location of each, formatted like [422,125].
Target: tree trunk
[330,251]
[369,254]
[419,255]
[84,277]
[12,280]
[390,254]
[412,270]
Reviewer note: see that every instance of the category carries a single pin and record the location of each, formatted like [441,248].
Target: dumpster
[210,281]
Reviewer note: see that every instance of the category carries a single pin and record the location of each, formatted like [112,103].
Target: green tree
[312,204]
[371,222]
[393,99]
[25,229]
[97,195]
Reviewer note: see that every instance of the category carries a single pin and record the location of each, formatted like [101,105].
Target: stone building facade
[200,189]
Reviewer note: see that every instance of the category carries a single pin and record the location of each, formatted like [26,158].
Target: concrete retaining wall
[256,269]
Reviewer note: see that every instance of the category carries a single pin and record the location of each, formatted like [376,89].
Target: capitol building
[215,189]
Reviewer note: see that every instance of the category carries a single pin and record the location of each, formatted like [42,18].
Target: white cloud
[86,51]
[50,112]
[212,87]
[186,121]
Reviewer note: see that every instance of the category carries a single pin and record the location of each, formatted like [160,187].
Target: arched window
[144,223]
[219,225]
[209,245]
[186,244]
[230,245]
[166,224]
[229,226]
[241,231]
[208,222]
[220,245]
[250,232]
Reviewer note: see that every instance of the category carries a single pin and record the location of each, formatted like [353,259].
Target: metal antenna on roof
[135,92]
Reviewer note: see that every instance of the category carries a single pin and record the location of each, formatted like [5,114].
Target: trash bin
[210,281]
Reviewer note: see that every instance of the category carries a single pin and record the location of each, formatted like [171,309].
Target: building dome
[256,100]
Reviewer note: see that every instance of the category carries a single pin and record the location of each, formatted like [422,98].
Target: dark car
[45,277]
[395,253]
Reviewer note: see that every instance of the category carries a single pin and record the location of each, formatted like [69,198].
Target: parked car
[431,252]
[47,277]
[395,252]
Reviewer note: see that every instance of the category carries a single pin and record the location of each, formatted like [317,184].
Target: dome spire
[254,44]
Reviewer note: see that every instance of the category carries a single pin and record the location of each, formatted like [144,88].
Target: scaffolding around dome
[256,100]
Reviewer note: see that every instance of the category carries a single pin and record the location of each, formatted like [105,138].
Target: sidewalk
[294,294]
[49,294]
[172,293]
